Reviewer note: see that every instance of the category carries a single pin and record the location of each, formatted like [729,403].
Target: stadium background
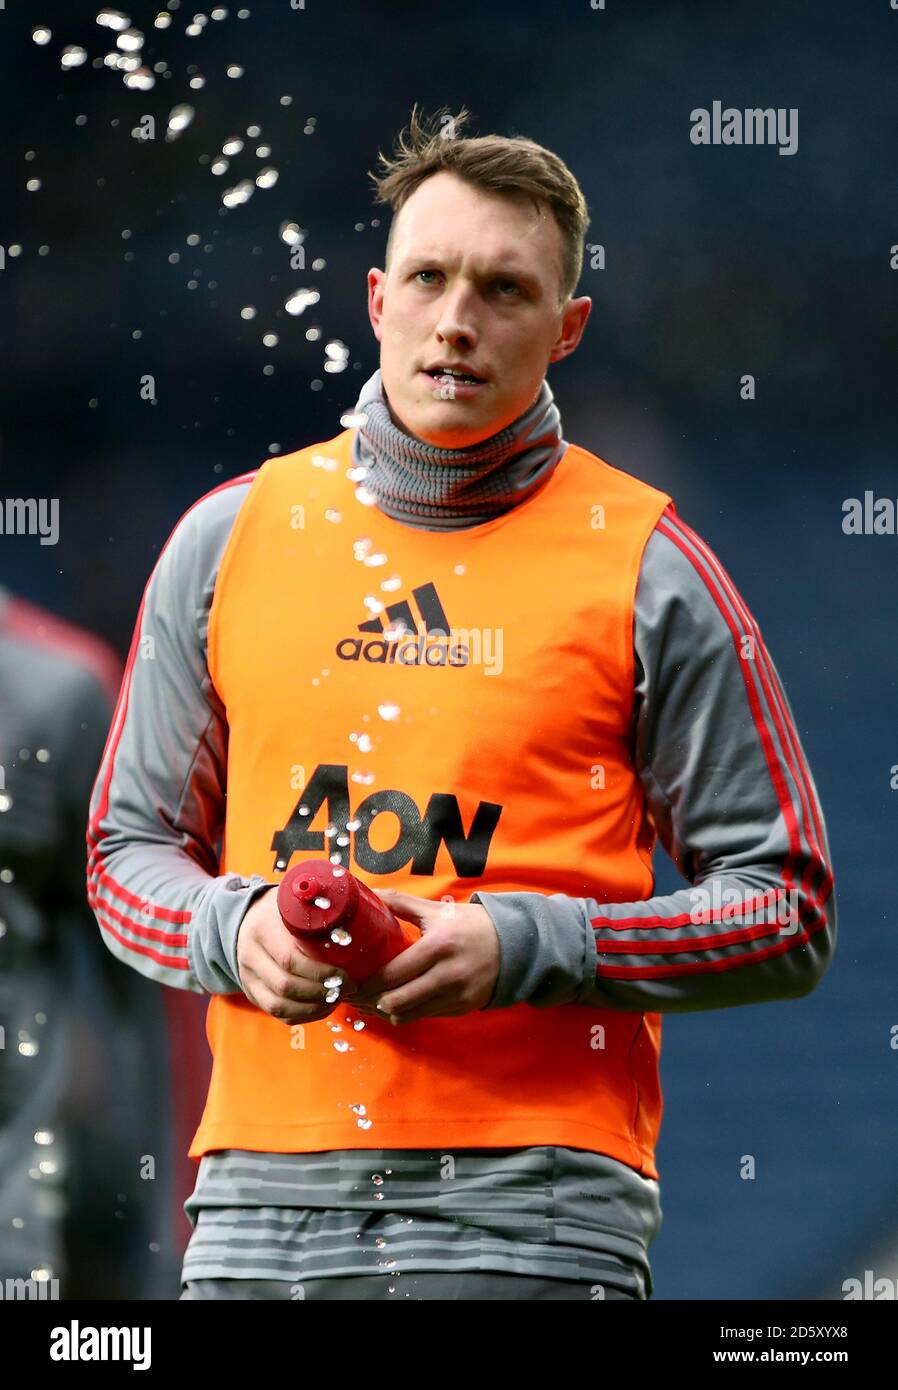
[718,262]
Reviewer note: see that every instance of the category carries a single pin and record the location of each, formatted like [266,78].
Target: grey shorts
[472,1286]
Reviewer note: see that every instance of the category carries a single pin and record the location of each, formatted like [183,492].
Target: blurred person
[572,675]
[77,1082]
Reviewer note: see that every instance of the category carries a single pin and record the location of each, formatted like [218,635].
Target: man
[479,1120]
[83,1041]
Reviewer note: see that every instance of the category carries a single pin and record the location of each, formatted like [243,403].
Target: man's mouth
[453,375]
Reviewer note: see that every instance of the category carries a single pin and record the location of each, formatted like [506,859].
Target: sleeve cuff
[547,949]
[214,935]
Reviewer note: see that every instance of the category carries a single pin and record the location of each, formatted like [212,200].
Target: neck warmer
[444,489]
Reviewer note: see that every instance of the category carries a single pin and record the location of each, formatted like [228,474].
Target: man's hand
[451,970]
[275,974]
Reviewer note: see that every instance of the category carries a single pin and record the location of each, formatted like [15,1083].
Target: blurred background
[136,249]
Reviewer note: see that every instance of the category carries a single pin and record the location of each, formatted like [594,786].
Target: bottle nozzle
[306,887]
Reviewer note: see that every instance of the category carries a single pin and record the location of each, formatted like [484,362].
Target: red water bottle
[336,919]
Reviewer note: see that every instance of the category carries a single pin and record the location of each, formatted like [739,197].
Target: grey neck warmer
[446,489]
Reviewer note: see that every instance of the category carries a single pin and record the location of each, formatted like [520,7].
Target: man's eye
[508,282]
[427,272]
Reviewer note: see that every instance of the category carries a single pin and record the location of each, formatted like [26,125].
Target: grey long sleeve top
[713,740]
[728,790]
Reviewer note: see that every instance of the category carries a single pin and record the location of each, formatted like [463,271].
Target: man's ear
[573,322]
[376,280]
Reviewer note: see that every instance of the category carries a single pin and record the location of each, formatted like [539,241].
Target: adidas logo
[432,646]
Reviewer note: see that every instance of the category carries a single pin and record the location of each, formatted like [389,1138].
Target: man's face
[473,282]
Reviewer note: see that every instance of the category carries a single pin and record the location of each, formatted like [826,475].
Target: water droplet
[341,1046]
[322,902]
[365,496]
[239,194]
[359,1109]
[377,1179]
[179,119]
[113,19]
[267,177]
[380,1242]
[234,70]
[334,982]
[341,937]
[358,1025]
[73,55]
[233,145]
[141,80]
[333,515]
[388,711]
[41,34]
[300,301]
[290,233]
[130,41]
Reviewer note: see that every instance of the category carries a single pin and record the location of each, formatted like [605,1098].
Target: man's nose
[456,321]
